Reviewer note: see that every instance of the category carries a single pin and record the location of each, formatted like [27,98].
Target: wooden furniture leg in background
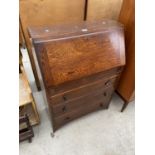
[21,37]
[20,61]
[26,101]
[124,106]
[27,45]
[25,132]
[126,102]
[35,111]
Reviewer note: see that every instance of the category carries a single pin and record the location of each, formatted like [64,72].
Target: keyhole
[64,109]
[67,118]
[107,83]
[64,97]
[101,105]
[105,94]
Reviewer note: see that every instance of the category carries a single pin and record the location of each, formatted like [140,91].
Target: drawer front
[84,81]
[88,105]
[100,96]
[82,91]
[84,109]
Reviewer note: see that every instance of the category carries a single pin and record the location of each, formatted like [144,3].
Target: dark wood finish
[26,132]
[124,106]
[85,10]
[94,103]
[47,12]
[79,66]
[82,90]
[20,61]
[84,100]
[126,87]
[77,60]
[105,75]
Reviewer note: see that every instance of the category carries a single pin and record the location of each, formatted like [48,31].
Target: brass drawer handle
[64,109]
[71,72]
[64,98]
[101,104]
[107,83]
[67,118]
[105,94]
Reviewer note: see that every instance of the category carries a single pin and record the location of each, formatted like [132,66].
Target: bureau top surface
[71,52]
[45,33]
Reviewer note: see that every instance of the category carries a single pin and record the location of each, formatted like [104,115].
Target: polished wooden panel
[80,65]
[82,91]
[48,12]
[102,42]
[103,9]
[77,62]
[58,31]
[45,12]
[106,75]
[126,86]
[97,96]
[89,104]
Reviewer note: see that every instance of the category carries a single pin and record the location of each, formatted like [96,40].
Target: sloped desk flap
[70,52]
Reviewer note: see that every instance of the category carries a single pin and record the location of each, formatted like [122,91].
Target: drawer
[88,105]
[84,81]
[82,91]
[100,96]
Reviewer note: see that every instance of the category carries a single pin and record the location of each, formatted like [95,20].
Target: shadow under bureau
[79,66]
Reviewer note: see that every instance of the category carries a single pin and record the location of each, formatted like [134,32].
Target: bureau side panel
[43,89]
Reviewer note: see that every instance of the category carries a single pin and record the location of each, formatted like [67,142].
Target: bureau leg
[124,106]
[52,134]
[107,107]
[30,140]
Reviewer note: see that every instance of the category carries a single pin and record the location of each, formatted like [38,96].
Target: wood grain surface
[47,12]
[76,55]
[82,107]
[126,86]
[98,97]
[80,65]
[26,101]
[84,90]
[57,31]
[103,9]
[25,96]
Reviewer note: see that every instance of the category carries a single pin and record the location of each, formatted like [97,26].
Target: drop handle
[101,104]
[64,98]
[105,94]
[107,83]
[64,109]
[67,118]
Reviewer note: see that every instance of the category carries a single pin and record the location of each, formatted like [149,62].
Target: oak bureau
[79,66]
